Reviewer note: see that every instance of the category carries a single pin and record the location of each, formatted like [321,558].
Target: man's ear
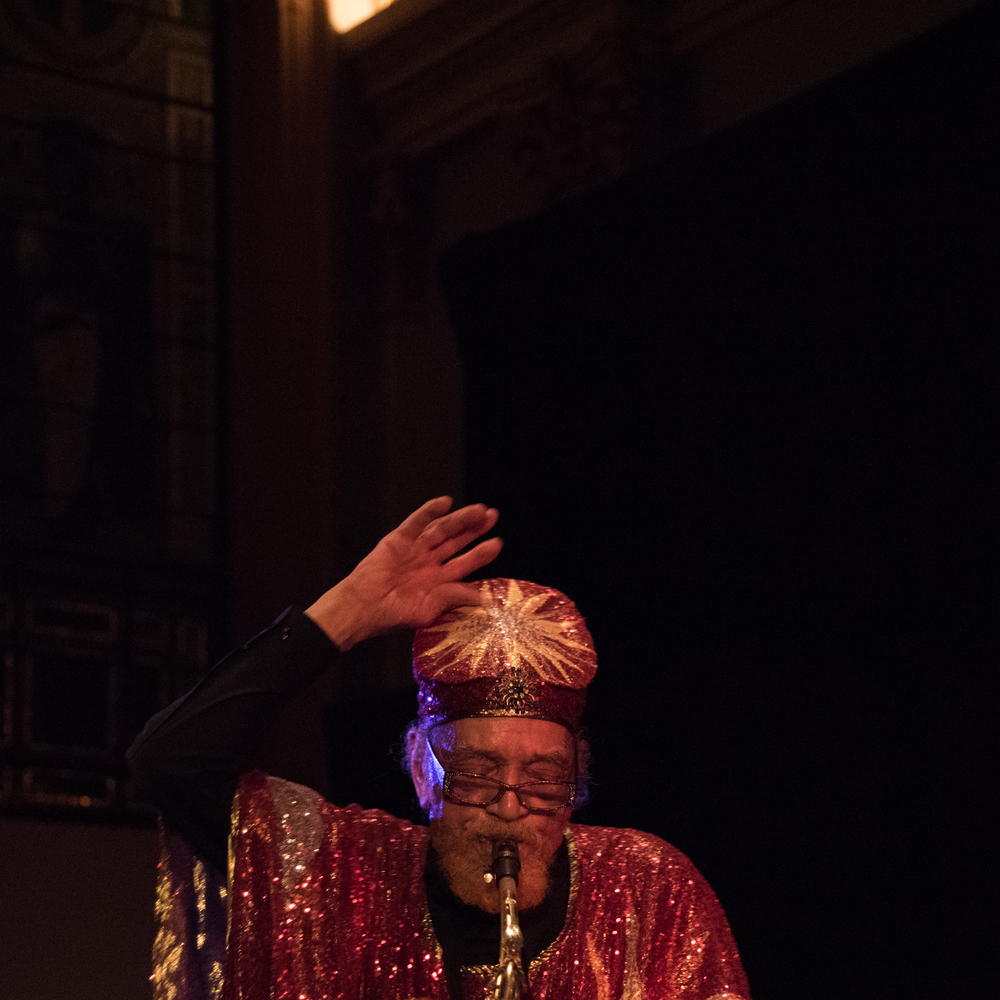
[425,772]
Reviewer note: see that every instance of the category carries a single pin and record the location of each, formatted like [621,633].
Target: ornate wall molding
[579,92]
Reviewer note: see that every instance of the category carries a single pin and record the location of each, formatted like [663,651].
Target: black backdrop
[738,408]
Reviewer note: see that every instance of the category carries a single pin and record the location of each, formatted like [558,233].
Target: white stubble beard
[465,852]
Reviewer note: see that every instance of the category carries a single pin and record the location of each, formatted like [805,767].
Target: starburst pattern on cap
[519,625]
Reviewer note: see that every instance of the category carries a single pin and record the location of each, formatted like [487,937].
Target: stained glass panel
[108,398]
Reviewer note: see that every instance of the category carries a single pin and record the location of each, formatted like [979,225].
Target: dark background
[739,409]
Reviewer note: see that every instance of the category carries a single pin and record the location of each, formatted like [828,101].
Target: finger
[447,536]
[451,595]
[415,524]
[450,534]
[468,562]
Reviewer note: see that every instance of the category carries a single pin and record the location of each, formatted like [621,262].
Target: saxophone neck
[511,938]
[509,983]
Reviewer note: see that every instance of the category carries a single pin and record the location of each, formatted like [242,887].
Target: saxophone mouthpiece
[506,860]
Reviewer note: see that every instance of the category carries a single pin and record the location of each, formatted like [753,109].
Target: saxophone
[510,980]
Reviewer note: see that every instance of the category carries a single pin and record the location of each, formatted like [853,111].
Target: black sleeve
[189,757]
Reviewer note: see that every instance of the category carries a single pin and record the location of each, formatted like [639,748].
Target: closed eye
[543,767]
[475,762]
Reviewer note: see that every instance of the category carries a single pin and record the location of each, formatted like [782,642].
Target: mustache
[488,830]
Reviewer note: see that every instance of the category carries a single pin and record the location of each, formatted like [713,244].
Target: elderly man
[324,901]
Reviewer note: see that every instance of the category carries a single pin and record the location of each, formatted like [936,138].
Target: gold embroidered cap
[525,651]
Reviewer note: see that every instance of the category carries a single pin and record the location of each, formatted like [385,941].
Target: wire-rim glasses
[470,789]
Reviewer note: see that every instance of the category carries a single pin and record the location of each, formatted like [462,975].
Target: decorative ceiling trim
[446,68]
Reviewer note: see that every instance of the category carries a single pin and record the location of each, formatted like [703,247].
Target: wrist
[341,615]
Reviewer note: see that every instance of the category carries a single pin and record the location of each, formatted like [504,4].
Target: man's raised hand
[412,575]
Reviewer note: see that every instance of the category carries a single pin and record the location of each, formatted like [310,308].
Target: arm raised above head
[189,756]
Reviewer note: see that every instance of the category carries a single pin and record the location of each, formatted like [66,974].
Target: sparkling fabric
[329,902]
[190,945]
[525,651]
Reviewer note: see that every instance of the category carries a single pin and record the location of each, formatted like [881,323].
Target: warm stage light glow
[345,14]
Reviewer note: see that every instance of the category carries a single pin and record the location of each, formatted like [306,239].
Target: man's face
[512,751]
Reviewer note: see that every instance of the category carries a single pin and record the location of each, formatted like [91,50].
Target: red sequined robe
[329,902]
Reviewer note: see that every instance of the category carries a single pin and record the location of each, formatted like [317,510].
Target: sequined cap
[525,651]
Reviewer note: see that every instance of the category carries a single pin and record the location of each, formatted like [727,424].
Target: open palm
[412,575]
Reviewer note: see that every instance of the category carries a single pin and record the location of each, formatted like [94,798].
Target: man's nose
[508,808]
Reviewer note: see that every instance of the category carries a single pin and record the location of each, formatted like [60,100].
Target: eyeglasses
[477,790]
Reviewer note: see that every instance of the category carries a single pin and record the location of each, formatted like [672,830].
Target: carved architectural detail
[581,92]
[596,115]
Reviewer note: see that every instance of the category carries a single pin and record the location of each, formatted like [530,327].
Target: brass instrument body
[509,983]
